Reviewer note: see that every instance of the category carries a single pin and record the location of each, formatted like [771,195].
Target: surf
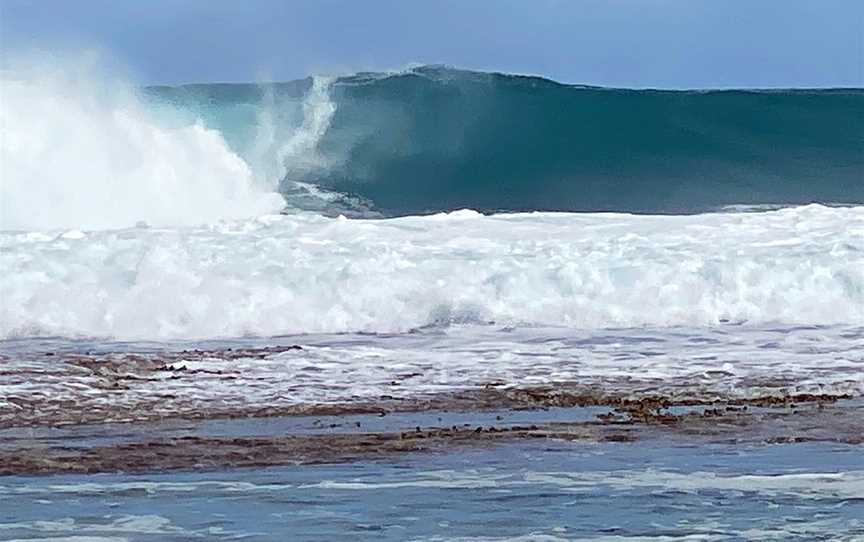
[307,273]
[337,205]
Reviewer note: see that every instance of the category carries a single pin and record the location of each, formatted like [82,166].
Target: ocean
[431,304]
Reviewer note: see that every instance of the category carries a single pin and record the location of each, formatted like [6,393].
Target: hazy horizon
[397,71]
[669,44]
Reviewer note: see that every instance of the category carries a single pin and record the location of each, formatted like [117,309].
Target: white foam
[148,487]
[146,524]
[801,485]
[78,151]
[727,362]
[809,486]
[303,273]
[127,524]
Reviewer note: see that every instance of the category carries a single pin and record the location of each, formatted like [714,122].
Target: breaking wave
[80,150]
[436,139]
[307,273]
[153,213]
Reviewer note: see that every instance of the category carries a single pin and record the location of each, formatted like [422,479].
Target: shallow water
[727,361]
[567,491]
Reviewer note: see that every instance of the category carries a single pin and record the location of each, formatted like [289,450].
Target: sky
[624,43]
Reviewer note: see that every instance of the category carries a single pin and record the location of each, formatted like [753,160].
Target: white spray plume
[78,150]
[276,154]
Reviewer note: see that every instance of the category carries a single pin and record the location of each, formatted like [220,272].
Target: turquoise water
[434,138]
[544,490]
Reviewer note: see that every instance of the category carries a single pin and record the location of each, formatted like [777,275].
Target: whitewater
[126,217]
[304,273]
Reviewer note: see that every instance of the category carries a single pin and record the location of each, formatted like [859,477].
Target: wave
[80,150]
[434,139]
[307,273]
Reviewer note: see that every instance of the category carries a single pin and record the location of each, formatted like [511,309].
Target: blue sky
[634,43]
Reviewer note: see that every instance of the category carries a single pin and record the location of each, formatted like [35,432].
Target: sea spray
[80,151]
[287,148]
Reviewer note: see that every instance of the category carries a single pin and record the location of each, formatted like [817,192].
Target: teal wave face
[434,139]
